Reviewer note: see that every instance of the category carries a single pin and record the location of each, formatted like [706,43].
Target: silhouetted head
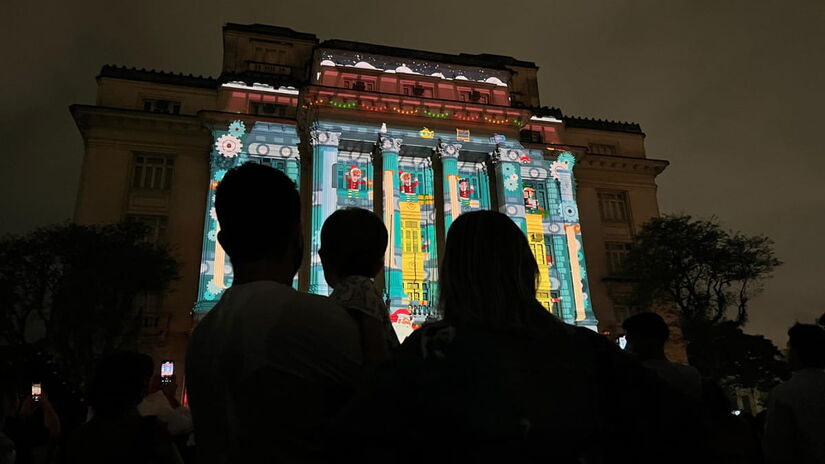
[258,210]
[807,346]
[118,385]
[488,273]
[353,242]
[646,335]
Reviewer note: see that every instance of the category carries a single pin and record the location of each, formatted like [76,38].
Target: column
[215,269]
[562,171]
[509,188]
[448,153]
[324,200]
[390,147]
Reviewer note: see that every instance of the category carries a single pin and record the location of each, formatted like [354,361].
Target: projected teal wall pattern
[266,143]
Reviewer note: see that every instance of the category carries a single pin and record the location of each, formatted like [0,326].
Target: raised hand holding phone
[167,371]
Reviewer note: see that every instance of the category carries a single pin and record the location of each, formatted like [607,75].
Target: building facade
[418,137]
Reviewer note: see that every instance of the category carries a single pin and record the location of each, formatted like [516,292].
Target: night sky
[729,92]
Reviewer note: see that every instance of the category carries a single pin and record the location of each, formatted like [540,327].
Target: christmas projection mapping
[538,194]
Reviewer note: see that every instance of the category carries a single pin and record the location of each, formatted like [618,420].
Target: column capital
[324,138]
[498,155]
[448,150]
[389,144]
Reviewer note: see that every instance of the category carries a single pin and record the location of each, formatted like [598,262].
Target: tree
[723,352]
[69,289]
[711,275]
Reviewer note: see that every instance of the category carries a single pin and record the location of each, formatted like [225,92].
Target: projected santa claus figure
[530,200]
[408,183]
[465,189]
[402,323]
[355,179]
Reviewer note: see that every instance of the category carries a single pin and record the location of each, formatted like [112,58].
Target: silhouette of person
[117,432]
[795,423]
[646,335]
[500,378]
[267,366]
[732,438]
[353,243]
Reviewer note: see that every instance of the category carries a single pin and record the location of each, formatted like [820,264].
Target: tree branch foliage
[711,274]
[70,289]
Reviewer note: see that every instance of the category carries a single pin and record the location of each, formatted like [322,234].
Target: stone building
[419,137]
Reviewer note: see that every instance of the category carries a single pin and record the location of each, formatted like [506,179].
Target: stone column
[561,170]
[509,187]
[390,147]
[448,152]
[324,200]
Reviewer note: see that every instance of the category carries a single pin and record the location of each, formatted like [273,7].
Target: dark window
[161,106]
[616,254]
[152,172]
[530,136]
[613,206]
[269,109]
[271,162]
[156,226]
[621,312]
[602,148]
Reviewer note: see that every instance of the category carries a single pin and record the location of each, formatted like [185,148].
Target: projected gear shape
[237,128]
[569,211]
[228,145]
[568,158]
[511,183]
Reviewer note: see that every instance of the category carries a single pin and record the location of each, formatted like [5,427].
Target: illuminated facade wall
[271,144]
[536,193]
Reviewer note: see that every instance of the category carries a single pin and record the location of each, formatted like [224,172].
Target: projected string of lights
[407,111]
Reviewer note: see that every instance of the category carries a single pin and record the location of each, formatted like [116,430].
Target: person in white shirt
[646,335]
[267,366]
[795,423]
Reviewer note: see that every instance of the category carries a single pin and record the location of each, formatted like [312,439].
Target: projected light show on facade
[419,143]
[418,137]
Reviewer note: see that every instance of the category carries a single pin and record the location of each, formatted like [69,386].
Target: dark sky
[729,92]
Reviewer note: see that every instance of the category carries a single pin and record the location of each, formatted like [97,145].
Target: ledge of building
[160,77]
[601,124]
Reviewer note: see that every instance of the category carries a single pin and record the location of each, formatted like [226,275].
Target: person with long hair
[501,377]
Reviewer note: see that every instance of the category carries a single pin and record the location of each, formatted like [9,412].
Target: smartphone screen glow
[167,369]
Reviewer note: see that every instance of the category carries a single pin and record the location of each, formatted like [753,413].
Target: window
[271,162]
[602,148]
[411,236]
[616,254]
[621,312]
[464,95]
[161,106]
[269,109]
[530,136]
[156,226]
[613,206]
[153,172]
[147,305]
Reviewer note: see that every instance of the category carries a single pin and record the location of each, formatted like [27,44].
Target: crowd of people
[277,375]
